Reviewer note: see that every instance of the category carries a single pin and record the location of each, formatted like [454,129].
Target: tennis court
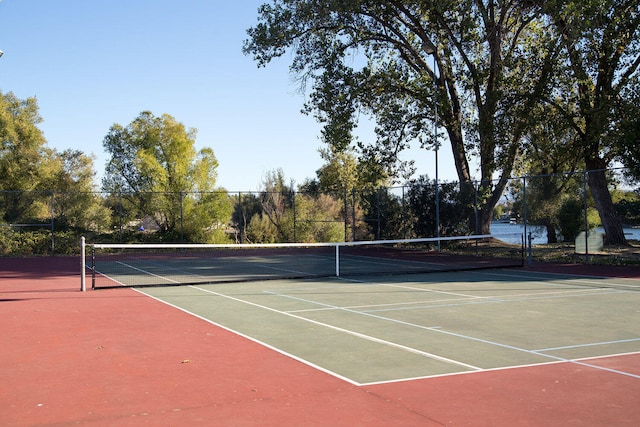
[371,312]
[525,346]
[375,329]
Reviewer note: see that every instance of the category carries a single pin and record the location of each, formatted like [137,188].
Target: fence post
[295,218]
[524,203]
[181,221]
[346,215]
[404,216]
[120,213]
[241,220]
[353,213]
[378,217]
[53,238]
[83,276]
[586,216]
[475,184]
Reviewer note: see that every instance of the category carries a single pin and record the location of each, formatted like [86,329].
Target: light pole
[430,49]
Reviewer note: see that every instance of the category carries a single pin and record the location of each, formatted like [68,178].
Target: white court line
[501,368]
[538,353]
[470,299]
[497,300]
[488,342]
[347,331]
[594,344]
[563,279]
[406,348]
[252,339]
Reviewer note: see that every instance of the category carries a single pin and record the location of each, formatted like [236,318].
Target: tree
[628,149]
[339,173]
[247,207]
[27,165]
[76,203]
[373,58]
[601,60]
[421,203]
[155,165]
[277,200]
[318,218]
[551,156]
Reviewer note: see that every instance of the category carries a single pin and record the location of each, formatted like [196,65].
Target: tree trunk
[551,234]
[604,204]
[485,215]
[485,210]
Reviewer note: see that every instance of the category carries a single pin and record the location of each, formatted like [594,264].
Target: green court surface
[374,329]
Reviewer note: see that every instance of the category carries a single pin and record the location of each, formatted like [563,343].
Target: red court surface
[117,357]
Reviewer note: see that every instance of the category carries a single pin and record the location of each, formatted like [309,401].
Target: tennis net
[139,265]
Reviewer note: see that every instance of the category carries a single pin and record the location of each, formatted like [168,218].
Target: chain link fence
[549,210]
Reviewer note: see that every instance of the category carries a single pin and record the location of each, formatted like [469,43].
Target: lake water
[511,232]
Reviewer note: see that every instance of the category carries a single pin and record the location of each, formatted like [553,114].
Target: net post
[337,260]
[83,276]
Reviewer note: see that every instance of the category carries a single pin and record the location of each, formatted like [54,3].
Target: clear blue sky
[93,63]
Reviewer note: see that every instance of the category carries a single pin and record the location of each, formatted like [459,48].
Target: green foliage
[277,200]
[319,218]
[279,213]
[370,60]
[339,172]
[24,242]
[595,91]
[33,240]
[246,208]
[25,162]
[628,146]
[24,158]
[628,207]
[571,219]
[422,206]
[155,168]
[382,212]
[202,215]
[261,230]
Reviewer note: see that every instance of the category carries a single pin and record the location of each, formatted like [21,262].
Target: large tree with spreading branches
[489,62]
[485,60]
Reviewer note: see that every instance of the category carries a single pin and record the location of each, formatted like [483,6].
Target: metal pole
[181,220]
[435,138]
[404,217]
[242,220]
[295,219]
[430,49]
[475,203]
[353,213]
[586,216]
[524,203]
[83,277]
[53,234]
[346,215]
[120,213]
[378,217]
